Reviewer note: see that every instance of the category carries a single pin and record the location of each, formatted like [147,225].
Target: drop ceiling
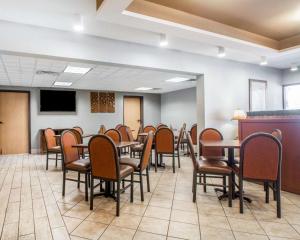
[18,70]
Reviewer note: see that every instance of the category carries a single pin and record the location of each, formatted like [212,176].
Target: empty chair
[79,129]
[72,160]
[264,165]
[164,145]
[51,146]
[114,134]
[79,140]
[149,128]
[124,132]
[202,167]
[177,145]
[193,133]
[118,125]
[105,166]
[140,165]
[160,125]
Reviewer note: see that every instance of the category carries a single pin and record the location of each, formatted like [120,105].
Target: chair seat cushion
[55,149]
[133,162]
[138,147]
[215,158]
[211,166]
[125,170]
[236,169]
[79,165]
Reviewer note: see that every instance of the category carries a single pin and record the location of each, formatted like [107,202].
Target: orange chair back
[78,138]
[49,138]
[79,129]
[70,153]
[192,151]
[261,155]
[124,130]
[278,134]
[193,133]
[149,128]
[146,151]
[164,141]
[104,157]
[117,126]
[114,134]
[161,125]
[211,134]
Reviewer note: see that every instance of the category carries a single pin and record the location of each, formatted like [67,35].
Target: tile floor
[31,207]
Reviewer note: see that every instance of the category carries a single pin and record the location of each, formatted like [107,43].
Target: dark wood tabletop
[118,145]
[84,135]
[221,143]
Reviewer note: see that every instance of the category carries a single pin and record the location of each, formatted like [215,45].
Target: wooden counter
[290,127]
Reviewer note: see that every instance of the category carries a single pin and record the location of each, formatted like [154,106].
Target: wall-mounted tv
[57,101]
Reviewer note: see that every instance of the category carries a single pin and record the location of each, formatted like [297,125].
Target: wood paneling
[102,102]
[290,127]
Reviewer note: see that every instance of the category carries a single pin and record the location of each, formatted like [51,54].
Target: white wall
[179,107]
[290,77]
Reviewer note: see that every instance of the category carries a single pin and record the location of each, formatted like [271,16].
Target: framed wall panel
[102,102]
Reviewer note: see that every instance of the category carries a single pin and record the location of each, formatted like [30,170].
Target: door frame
[28,114]
[141,107]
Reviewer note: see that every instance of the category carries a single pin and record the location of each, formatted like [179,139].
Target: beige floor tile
[279,230]
[220,222]
[60,233]
[64,207]
[102,216]
[136,209]
[249,236]
[211,209]
[90,230]
[297,227]
[10,231]
[55,218]
[127,221]
[71,223]
[249,226]
[154,225]
[184,216]
[268,216]
[292,218]
[79,211]
[160,202]
[42,229]
[27,237]
[12,212]
[183,230]
[26,224]
[158,212]
[117,233]
[39,209]
[210,233]
[185,206]
[148,236]
[76,238]
[235,213]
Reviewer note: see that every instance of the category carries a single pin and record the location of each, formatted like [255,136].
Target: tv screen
[57,101]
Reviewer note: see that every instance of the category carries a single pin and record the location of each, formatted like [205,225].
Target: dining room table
[230,145]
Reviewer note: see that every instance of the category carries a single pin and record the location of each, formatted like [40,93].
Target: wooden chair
[105,166]
[114,134]
[72,161]
[177,145]
[216,154]
[117,126]
[51,146]
[160,125]
[140,165]
[164,145]
[202,167]
[79,129]
[193,133]
[260,160]
[149,128]
[124,131]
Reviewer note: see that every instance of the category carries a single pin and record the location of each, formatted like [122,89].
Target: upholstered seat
[125,170]
[217,158]
[79,165]
[138,147]
[56,149]
[212,167]
[133,162]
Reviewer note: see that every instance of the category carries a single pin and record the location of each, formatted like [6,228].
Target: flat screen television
[57,101]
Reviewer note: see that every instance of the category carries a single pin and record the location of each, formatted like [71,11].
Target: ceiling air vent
[41,72]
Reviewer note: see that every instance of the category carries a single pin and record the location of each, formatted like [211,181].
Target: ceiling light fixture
[263,61]
[221,52]
[163,40]
[78,23]
[294,68]
[63,84]
[143,88]
[77,70]
[178,79]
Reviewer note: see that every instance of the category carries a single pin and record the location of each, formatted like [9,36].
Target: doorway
[133,113]
[14,122]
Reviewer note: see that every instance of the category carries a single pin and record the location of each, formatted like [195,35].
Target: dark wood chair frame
[49,151]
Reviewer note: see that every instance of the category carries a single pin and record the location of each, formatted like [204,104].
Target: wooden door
[14,122]
[133,113]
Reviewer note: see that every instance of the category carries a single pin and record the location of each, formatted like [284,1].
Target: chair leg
[173,163]
[178,158]
[278,199]
[156,159]
[224,185]
[118,198]
[241,193]
[141,187]
[148,180]
[131,188]
[64,183]
[267,192]
[229,190]
[204,182]
[92,194]
[56,156]
[274,191]
[86,187]
[78,180]
[47,160]
[194,186]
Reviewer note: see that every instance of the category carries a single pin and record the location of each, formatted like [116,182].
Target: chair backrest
[79,129]
[164,140]
[260,157]
[78,139]
[118,125]
[193,133]
[211,134]
[114,134]
[161,125]
[124,130]
[49,138]
[146,151]
[69,153]
[102,129]
[180,137]
[192,151]
[278,134]
[104,158]
[149,128]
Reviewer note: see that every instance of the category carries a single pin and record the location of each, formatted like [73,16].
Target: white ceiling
[21,71]
[112,22]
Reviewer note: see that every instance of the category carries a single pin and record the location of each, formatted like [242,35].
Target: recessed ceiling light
[177,79]
[143,88]
[78,70]
[294,68]
[221,52]
[263,61]
[78,23]
[163,40]
[63,84]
